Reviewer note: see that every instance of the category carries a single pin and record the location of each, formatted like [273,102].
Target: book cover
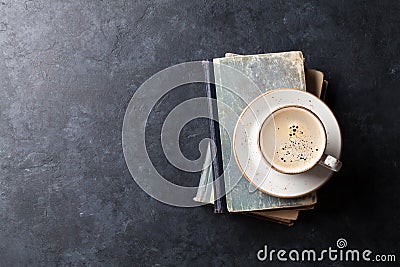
[266,72]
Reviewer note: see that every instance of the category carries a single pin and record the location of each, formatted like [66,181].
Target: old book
[314,84]
[215,170]
[267,72]
[216,165]
[272,219]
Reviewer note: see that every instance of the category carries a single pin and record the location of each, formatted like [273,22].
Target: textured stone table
[68,71]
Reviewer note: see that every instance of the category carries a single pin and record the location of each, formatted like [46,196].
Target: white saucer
[248,155]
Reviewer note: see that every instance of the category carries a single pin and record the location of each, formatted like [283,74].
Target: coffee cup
[292,139]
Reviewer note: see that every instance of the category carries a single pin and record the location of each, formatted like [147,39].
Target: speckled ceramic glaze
[250,159]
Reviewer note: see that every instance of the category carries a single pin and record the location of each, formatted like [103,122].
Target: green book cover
[234,93]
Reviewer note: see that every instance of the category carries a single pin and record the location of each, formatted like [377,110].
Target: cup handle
[330,162]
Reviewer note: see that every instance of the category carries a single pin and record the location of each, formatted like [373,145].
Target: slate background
[67,72]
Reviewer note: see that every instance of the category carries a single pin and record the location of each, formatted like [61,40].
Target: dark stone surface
[67,72]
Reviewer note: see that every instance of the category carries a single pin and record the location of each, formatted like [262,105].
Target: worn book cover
[234,93]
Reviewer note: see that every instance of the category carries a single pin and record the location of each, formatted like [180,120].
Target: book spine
[217,166]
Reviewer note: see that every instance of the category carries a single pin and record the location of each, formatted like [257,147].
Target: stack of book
[267,72]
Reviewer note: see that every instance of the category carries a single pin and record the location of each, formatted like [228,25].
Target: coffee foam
[292,139]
